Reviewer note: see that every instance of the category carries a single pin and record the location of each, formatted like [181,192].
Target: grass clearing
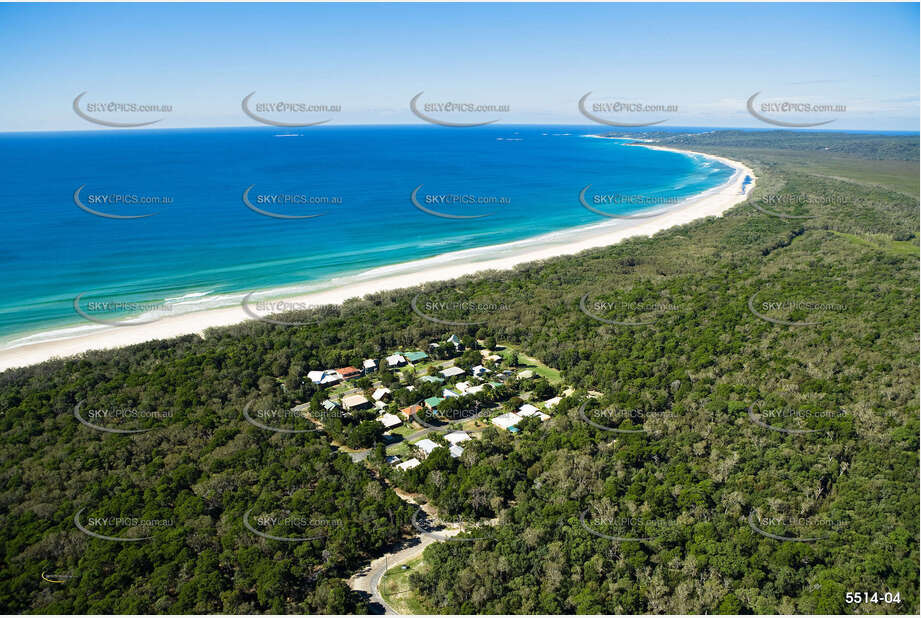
[397,592]
[883,243]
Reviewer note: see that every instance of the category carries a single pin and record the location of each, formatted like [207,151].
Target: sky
[703,60]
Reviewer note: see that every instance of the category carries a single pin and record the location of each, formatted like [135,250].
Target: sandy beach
[708,204]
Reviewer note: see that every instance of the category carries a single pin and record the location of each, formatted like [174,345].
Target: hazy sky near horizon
[539,59]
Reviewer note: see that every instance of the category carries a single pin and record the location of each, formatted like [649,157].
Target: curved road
[367,580]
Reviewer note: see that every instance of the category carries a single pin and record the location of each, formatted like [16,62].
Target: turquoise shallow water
[202,246]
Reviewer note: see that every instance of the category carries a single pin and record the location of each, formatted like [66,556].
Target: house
[456,342]
[409,411]
[506,421]
[409,464]
[395,360]
[349,373]
[389,421]
[416,357]
[370,365]
[529,410]
[455,451]
[381,394]
[324,378]
[527,374]
[450,372]
[495,384]
[355,402]
[392,460]
[552,402]
[462,387]
[426,446]
[380,405]
[473,390]
[432,379]
[329,405]
[432,402]
[494,358]
[448,393]
[479,371]
[456,437]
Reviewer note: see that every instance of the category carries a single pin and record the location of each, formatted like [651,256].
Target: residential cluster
[410,393]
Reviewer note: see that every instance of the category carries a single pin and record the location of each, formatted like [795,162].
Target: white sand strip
[709,204]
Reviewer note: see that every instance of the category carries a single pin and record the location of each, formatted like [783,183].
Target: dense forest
[803,426]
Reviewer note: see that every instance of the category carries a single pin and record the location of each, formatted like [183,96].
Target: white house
[448,393]
[389,421]
[527,410]
[551,403]
[462,387]
[455,341]
[324,378]
[479,371]
[450,372]
[396,360]
[355,402]
[409,464]
[426,446]
[506,420]
[473,390]
[380,394]
[456,437]
[527,374]
[370,365]
[456,451]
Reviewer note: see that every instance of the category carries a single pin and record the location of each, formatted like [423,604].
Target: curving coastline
[712,202]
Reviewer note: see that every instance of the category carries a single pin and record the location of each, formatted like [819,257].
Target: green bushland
[702,466]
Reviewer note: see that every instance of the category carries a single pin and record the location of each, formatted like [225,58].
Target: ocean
[323,206]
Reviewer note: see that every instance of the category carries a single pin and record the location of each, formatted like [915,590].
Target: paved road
[368,579]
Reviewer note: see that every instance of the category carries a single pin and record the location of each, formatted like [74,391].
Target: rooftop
[352,401]
[426,445]
[409,464]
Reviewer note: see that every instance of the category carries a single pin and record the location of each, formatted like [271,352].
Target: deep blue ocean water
[206,247]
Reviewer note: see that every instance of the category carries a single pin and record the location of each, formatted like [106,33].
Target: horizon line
[601,128]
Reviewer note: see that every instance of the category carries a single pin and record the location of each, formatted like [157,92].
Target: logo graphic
[275,215]
[413,108]
[783,107]
[83,206]
[275,123]
[286,539]
[612,123]
[604,427]
[104,537]
[97,427]
[252,421]
[588,206]
[108,123]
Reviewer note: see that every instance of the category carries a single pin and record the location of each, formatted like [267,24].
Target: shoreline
[713,202]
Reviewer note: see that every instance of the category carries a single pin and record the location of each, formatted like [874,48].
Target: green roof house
[432,402]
